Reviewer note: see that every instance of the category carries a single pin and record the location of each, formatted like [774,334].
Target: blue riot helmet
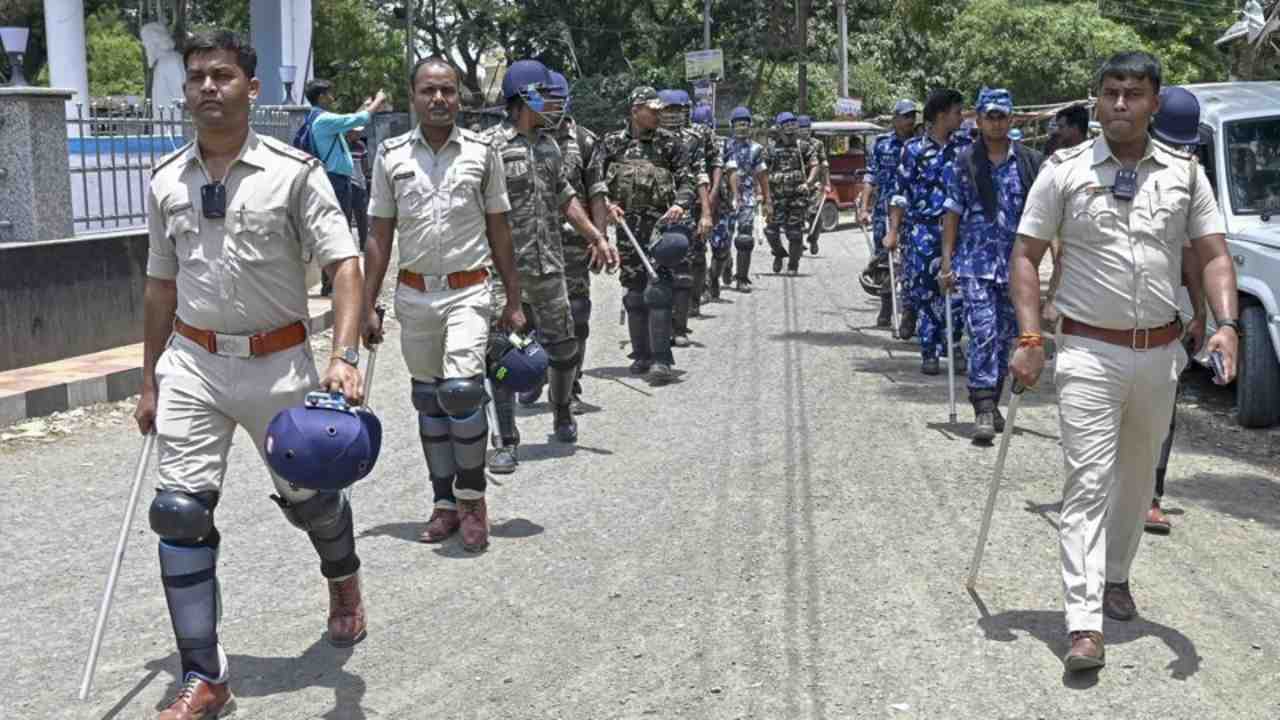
[672,247]
[558,99]
[702,115]
[1178,122]
[740,121]
[521,363]
[323,444]
[530,81]
[804,125]
[675,108]
[786,123]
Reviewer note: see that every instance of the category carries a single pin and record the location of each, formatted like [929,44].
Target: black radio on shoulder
[213,200]
[1126,187]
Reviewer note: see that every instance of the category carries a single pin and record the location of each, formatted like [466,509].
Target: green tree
[114,54]
[359,52]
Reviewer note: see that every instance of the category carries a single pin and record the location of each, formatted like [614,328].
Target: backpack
[304,141]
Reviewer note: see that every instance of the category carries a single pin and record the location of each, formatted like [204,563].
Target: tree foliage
[115,55]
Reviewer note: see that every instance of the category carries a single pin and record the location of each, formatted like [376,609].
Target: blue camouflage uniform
[747,157]
[920,191]
[981,265]
[885,155]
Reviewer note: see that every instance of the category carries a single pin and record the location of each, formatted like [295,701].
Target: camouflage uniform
[537,187]
[693,148]
[712,160]
[819,150]
[981,265]
[922,194]
[789,160]
[646,174]
[576,145]
[746,158]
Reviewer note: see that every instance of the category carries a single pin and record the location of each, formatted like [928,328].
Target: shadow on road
[1047,627]
[320,665]
[516,528]
[1249,497]
[406,531]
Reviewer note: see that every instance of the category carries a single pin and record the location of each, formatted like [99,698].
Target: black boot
[566,427]
[885,318]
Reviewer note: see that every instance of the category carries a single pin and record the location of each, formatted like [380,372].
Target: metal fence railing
[113,148]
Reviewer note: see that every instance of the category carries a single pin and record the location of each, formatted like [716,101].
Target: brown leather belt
[452,281]
[1136,339]
[263,343]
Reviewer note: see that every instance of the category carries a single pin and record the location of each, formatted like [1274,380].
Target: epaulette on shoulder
[473,136]
[1177,153]
[287,150]
[400,140]
[169,159]
[1067,153]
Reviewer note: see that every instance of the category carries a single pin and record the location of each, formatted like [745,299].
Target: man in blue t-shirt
[329,144]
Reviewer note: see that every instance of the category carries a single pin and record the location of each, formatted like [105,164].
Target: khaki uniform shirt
[439,200]
[244,273]
[537,186]
[1121,259]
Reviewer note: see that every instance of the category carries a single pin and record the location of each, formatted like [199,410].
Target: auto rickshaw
[848,142]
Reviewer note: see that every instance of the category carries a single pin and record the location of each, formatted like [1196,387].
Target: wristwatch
[348,355]
[1233,324]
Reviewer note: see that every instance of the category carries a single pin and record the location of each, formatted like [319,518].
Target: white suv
[1240,131]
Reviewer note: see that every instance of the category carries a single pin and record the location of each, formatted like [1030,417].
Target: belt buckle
[1146,339]
[234,345]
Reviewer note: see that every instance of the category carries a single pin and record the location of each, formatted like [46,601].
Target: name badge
[516,168]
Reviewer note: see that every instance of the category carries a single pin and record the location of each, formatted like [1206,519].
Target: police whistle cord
[1015,397]
[91,663]
[951,358]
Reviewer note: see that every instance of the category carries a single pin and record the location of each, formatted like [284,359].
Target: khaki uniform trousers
[443,334]
[1114,406]
[204,396]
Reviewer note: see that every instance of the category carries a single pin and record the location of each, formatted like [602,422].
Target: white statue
[165,62]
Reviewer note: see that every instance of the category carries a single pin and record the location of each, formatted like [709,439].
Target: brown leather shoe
[199,699]
[1117,602]
[346,612]
[475,524]
[1157,522]
[1087,651]
[442,524]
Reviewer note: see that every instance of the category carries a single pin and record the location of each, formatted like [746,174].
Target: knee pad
[433,428]
[560,355]
[633,301]
[580,307]
[183,517]
[658,296]
[460,397]
[745,242]
[682,281]
[318,512]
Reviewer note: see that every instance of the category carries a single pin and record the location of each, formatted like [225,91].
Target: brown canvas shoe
[475,524]
[1117,602]
[1087,651]
[442,524]
[346,612]
[199,699]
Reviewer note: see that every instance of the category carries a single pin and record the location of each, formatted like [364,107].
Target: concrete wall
[63,298]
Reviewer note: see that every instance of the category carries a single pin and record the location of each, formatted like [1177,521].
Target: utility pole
[409,52]
[802,49]
[842,12]
[706,24]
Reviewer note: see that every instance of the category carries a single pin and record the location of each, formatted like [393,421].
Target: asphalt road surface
[782,535]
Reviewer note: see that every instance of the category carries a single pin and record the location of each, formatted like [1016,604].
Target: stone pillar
[280,31]
[35,175]
[68,63]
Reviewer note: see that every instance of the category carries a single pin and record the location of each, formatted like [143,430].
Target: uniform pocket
[262,236]
[183,229]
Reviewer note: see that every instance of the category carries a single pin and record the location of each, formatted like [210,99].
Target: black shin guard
[638,325]
[189,574]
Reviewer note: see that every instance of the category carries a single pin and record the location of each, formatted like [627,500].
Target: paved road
[782,535]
